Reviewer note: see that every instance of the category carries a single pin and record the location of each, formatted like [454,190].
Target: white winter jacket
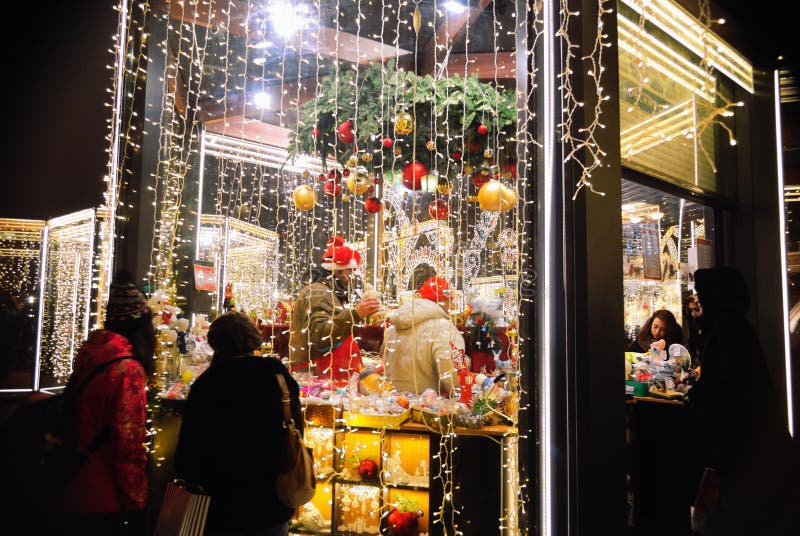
[417,354]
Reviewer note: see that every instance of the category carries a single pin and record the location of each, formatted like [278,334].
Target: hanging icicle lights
[392,125]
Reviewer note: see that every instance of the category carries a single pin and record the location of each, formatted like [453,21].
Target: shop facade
[505,147]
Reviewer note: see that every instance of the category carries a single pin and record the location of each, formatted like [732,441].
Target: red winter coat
[115,477]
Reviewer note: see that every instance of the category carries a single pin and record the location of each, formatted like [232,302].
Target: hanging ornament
[387,142]
[444,186]
[509,198]
[372,205]
[321,177]
[495,196]
[430,145]
[345,198]
[335,174]
[468,169]
[488,153]
[332,189]
[306,174]
[345,132]
[315,132]
[438,209]
[509,171]
[352,161]
[366,157]
[482,129]
[412,175]
[358,182]
[481,177]
[417,20]
[304,197]
[398,150]
[403,124]
[456,155]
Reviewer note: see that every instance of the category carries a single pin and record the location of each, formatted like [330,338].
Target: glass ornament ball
[304,197]
[412,175]
[372,205]
[403,124]
[438,209]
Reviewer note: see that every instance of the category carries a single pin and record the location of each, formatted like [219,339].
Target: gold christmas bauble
[357,182]
[366,157]
[304,197]
[508,198]
[403,124]
[468,169]
[352,161]
[444,186]
[398,150]
[306,174]
[490,195]
[430,145]
[488,153]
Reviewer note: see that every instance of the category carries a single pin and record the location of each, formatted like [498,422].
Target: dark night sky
[54,114]
[55,89]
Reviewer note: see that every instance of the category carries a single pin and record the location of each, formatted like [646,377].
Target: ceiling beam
[447,32]
[486,65]
[239,126]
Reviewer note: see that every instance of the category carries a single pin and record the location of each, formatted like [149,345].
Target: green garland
[457,104]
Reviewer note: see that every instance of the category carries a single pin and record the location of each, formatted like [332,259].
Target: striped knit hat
[125,300]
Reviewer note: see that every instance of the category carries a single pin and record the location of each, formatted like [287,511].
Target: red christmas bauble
[387,142]
[412,175]
[332,189]
[483,129]
[321,177]
[456,155]
[372,205]
[315,132]
[438,209]
[509,171]
[479,179]
[345,132]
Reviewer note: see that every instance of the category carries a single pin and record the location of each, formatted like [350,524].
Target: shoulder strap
[97,370]
[285,398]
[105,432]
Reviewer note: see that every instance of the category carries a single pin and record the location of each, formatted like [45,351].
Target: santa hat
[435,289]
[340,256]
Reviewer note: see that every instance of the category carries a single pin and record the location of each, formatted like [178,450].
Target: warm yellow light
[686,29]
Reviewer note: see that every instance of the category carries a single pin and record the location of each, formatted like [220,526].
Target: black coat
[230,441]
[741,423]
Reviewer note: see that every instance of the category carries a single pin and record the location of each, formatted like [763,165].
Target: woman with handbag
[230,444]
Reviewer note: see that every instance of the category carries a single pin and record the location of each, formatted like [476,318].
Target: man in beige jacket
[419,343]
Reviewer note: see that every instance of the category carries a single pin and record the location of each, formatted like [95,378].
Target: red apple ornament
[403,523]
[367,469]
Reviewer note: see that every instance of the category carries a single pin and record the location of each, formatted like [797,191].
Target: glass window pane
[665,238]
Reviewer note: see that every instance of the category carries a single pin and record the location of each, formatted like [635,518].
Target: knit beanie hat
[125,300]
